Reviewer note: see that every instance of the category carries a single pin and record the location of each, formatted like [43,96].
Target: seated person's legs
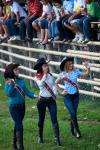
[44,31]
[79,37]
[87,27]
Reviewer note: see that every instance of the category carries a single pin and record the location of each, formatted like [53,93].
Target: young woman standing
[69,76]
[48,91]
[16,91]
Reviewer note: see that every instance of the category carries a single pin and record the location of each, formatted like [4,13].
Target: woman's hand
[64,93]
[36,96]
[10,81]
[87,70]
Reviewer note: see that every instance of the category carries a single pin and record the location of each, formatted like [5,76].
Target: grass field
[89,121]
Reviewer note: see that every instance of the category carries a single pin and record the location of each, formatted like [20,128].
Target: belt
[17,105]
[47,98]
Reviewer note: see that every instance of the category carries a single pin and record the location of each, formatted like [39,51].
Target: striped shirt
[35,7]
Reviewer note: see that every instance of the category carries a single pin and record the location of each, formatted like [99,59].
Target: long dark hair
[40,70]
[9,71]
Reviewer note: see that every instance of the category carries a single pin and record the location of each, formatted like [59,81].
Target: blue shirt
[68,6]
[73,77]
[14,96]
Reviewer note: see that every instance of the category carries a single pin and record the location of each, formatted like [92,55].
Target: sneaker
[76,38]
[85,41]
[13,38]
[56,38]
[81,39]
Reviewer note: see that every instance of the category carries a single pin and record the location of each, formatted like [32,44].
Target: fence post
[10,50]
[30,64]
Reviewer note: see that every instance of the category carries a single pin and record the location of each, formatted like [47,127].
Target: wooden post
[30,65]
[10,50]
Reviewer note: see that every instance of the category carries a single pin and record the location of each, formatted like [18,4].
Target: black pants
[41,105]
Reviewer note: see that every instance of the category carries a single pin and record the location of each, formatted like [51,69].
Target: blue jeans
[12,29]
[17,114]
[85,26]
[28,26]
[44,24]
[71,102]
[68,34]
[53,30]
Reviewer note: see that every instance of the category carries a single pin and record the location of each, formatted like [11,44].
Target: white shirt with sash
[49,79]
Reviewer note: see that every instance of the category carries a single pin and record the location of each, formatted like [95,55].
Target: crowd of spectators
[65,20]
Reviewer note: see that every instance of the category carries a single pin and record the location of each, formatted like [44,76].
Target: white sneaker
[13,38]
[81,38]
[10,39]
[85,41]
[76,38]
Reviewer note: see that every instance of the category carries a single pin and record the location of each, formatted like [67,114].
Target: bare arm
[18,18]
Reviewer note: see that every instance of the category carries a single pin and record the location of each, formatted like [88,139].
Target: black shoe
[40,140]
[72,132]
[14,147]
[28,39]
[20,140]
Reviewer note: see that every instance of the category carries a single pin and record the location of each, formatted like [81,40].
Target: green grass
[89,121]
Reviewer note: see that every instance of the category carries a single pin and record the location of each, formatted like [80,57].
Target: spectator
[1,21]
[17,15]
[6,15]
[53,30]
[58,12]
[35,11]
[70,22]
[67,6]
[42,23]
[92,14]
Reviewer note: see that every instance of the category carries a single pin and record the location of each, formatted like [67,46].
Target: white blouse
[49,79]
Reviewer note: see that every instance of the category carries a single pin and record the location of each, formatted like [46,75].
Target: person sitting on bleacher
[53,30]
[92,14]
[1,21]
[35,11]
[41,24]
[70,22]
[57,8]
[67,8]
[4,16]
[17,15]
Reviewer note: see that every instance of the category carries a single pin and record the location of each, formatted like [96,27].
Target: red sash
[50,90]
[20,90]
[17,87]
[71,82]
